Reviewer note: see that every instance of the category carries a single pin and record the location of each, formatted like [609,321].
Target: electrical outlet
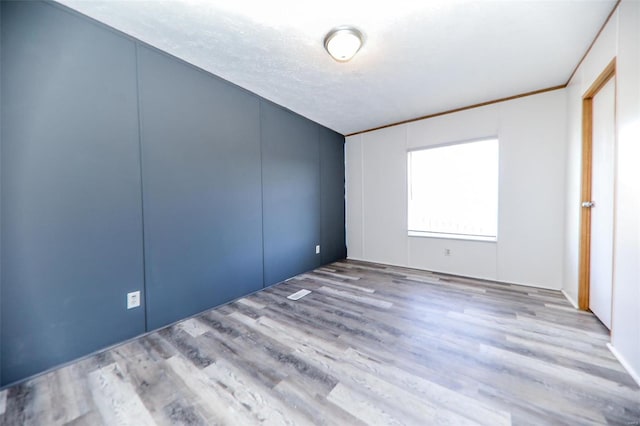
[133,299]
[317,249]
[447,252]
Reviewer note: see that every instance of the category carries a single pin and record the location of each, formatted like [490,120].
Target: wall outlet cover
[133,299]
[318,249]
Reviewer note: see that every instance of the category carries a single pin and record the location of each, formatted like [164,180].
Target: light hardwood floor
[371,344]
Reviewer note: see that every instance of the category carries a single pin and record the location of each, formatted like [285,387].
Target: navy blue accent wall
[291,193]
[202,189]
[332,196]
[71,205]
[123,168]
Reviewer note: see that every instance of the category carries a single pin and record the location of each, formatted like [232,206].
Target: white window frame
[452,236]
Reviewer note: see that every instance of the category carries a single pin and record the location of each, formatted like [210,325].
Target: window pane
[454,189]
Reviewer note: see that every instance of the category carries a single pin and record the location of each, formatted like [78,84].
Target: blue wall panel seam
[144,255]
[261,188]
[321,204]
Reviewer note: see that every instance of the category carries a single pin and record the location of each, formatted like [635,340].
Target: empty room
[319,213]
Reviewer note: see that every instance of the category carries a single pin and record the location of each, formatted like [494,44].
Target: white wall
[529,250]
[621,39]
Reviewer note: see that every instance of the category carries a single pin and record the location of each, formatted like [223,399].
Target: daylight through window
[453,191]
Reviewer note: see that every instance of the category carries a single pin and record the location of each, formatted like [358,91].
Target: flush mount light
[343,43]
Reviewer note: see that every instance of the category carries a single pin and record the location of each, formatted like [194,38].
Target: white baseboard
[570,299]
[634,374]
[379,263]
[495,280]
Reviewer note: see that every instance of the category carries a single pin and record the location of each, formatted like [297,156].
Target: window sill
[422,234]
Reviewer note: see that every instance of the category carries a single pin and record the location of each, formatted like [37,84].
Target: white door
[602,187]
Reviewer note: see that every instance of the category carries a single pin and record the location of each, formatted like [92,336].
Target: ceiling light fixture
[343,43]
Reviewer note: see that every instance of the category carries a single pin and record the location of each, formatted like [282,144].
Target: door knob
[588,204]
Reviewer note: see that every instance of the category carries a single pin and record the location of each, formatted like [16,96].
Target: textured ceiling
[419,58]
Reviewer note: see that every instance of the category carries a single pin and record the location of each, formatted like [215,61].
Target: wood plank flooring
[371,344]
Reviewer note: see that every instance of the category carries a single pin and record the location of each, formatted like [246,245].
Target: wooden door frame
[587,163]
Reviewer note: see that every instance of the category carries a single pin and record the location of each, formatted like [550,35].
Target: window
[453,191]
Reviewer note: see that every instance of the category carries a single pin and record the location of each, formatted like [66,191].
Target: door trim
[587,161]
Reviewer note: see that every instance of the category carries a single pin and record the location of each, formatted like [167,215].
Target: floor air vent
[298,295]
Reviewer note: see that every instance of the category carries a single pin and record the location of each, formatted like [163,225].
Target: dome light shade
[343,43]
